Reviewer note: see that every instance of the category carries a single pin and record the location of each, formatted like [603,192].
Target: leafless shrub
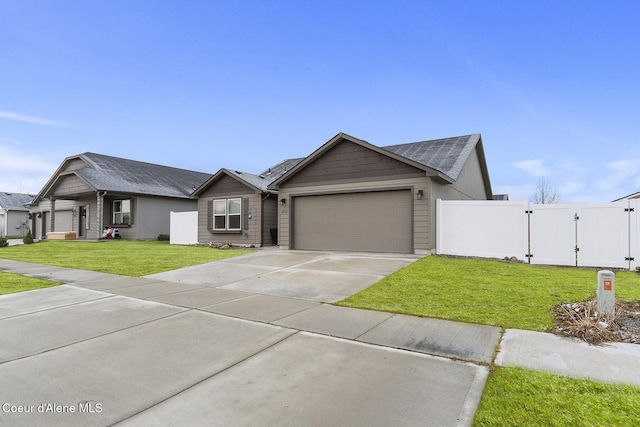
[583,320]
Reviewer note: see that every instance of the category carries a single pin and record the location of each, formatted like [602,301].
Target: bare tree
[545,193]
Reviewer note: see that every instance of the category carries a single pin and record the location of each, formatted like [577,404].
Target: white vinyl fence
[184,228]
[589,235]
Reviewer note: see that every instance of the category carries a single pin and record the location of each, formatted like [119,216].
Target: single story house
[237,207]
[90,191]
[14,214]
[354,196]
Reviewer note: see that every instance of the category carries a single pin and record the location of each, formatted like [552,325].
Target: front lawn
[126,257]
[521,397]
[490,292]
[11,283]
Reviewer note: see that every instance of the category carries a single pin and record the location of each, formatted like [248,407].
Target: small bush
[28,239]
[163,237]
[3,242]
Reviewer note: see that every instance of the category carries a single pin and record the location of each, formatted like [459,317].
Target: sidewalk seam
[206,378]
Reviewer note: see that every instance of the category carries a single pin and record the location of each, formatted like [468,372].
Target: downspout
[3,222]
[52,215]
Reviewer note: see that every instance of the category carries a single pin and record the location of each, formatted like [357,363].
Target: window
[122,212]
[227,214]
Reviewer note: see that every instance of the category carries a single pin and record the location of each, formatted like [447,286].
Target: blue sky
[552,86]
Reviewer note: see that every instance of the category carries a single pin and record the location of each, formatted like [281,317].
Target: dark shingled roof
[446,155]
[261,181]
[276,171]
[115,174]
[15,201]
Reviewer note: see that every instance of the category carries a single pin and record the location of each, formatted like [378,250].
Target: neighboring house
[630,196]
[14,214]
[352,195]
[238,208]
[91,191]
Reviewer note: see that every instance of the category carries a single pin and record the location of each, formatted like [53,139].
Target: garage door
[64,221]
[370,222]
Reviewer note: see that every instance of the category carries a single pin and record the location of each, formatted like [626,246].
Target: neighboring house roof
[630,196]
[15,201]
[115,174]
[443,158]
[257,182]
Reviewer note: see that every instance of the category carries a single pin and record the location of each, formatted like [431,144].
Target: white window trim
[114,212]
[227,215]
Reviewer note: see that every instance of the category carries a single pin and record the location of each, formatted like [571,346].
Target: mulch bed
[582,320]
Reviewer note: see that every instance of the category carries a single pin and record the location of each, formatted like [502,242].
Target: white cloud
[9,141]
[23,171]
[8,115]
[617,173]
[24,162]
[532,167]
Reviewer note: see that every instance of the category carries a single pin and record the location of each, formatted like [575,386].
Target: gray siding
[346,162]
[70,185]
[73,165]
[470,186]
[252,232]
[227,185]
[152,216]
[14,222]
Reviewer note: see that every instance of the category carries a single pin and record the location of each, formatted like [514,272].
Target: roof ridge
[432,140]
[88,155]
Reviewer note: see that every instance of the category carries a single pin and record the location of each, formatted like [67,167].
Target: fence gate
[605,234]
[552,234]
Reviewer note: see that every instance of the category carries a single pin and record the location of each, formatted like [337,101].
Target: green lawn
[521,397]
[512,295]
[126,257]
[490,292]
[11,283]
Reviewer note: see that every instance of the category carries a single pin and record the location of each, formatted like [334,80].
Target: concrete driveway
[310,275]
[106,349]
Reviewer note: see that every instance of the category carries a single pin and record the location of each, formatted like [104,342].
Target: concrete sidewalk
[106,349]
[610,362]
[613,362]
[151,351]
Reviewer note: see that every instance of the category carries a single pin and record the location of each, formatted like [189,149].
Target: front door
[44,225]
[82,222]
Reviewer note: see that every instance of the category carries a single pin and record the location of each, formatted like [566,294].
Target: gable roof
[443,158]
[15,201]
[115,174]
[257,182]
